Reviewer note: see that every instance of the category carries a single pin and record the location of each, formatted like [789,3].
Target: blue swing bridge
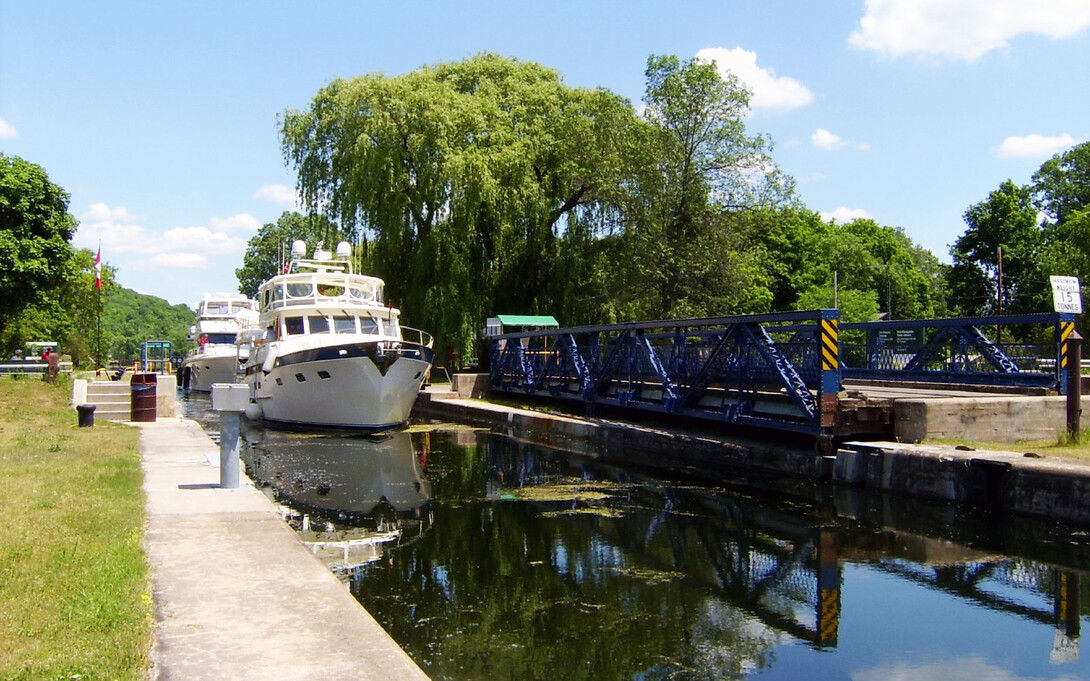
[783,371]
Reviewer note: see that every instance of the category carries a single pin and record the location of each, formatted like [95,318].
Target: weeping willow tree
[463,178]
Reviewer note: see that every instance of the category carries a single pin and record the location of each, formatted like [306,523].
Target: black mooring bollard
[1074,383]
[86,415]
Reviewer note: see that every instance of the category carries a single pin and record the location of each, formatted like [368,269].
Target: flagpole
[98,310]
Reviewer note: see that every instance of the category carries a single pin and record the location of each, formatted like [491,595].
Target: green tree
[1061,190]
[129,319]
[699,165]
[35,230]
[69,314]
[463,176]
[1062,184]
[1002,228]
[854,305]
[268,250]
[802,254]
[891,269]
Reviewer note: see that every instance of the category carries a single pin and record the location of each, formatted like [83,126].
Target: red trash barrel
[142,407]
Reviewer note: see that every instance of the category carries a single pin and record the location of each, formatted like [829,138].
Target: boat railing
[322,290]
[411,335]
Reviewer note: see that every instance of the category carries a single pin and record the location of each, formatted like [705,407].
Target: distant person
[18,356]
[54,365]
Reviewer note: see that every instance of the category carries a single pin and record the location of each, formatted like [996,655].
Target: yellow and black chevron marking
[829,617]
[1062,611]
[830,344]
[1065,330]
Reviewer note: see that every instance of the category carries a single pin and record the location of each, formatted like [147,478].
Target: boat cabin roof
[322,290]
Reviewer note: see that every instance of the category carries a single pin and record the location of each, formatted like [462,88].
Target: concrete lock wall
[166,402]
[992,419]
[470,385]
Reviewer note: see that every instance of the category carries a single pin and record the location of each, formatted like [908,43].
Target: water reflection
[500,558]
[549,565]
[350,498]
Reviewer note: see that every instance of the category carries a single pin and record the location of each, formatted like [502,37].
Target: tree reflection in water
[522,562]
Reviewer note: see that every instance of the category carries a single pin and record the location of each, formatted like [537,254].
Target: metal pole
[1074,383]
[229,430]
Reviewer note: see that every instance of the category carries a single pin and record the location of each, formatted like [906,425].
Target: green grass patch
[1063,446]
[75,598]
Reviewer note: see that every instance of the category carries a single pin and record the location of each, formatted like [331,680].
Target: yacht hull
[207,368]
[344,386]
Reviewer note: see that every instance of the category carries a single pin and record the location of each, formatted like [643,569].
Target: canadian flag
[98,269]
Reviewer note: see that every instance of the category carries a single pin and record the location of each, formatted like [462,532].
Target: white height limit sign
[1066,294]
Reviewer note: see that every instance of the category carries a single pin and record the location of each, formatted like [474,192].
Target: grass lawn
[1062,447]
[75,599]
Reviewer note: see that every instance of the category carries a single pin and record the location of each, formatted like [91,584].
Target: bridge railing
[778,370]
[964,351]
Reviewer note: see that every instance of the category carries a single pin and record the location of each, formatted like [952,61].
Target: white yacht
[220,318]
[332,353]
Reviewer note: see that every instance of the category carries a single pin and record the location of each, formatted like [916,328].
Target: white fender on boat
[252,411]
[270,360]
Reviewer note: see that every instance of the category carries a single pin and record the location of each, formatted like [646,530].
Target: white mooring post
[229,399]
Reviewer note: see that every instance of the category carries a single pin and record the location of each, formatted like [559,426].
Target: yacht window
[318,324]
[330,290]
[215,308]
[300,290]
[369,325]
[223,338]
[293,325]
[344,324]
[277,294]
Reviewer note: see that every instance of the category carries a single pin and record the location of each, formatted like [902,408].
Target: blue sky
[160,119]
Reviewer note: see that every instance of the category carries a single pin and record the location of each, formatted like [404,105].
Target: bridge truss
[783,371]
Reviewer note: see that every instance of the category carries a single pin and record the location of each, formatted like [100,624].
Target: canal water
[487,557]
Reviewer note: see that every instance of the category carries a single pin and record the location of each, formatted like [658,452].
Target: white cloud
[959,669]
[7,130]
[114,228]
[180,261]
[966,29]
[278,194]
[100,212]
[1035,146]
[823,139]
[202,239]
[771,92]
[243,222]
[844,214]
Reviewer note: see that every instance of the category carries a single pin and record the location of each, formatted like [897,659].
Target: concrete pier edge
[236,593]
[1012,481]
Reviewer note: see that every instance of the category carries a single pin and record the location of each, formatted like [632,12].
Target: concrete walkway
[237,595]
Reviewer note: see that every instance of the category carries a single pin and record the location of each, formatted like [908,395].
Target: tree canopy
[35,228]
[267,251]
[488,185]
[1007,228]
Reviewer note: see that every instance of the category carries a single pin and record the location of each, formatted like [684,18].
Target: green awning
[527,320]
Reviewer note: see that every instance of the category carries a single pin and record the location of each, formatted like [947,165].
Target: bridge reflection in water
[488,557]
